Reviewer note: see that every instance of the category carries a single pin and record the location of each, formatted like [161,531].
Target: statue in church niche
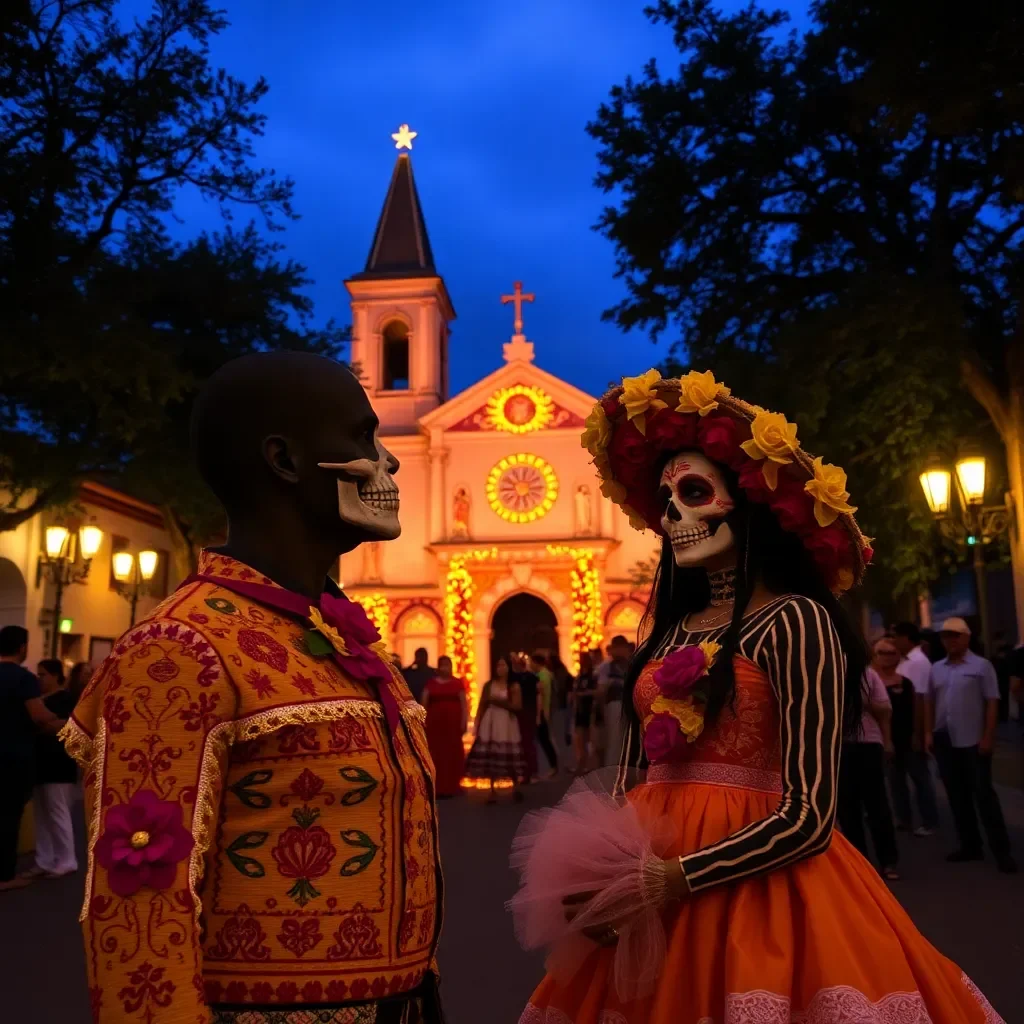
[584,511]
[285,442]
[372,555]
[460,515]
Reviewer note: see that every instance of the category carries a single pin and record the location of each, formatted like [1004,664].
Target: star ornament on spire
[403,137]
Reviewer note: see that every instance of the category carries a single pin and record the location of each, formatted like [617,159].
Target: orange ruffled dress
[820,940]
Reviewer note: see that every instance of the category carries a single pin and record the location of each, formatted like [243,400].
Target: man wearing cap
[960,727]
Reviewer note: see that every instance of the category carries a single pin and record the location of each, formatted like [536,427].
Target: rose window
[522,488]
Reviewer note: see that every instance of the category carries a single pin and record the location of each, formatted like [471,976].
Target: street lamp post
[58,565]
[976,524]
[133,576]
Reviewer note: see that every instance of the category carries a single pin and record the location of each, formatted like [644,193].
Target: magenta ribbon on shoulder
[347,617]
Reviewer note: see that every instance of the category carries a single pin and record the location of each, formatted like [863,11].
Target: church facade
[506,543]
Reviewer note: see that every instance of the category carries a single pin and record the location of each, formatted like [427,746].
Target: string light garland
[458,619]
[587,630]
[378,611]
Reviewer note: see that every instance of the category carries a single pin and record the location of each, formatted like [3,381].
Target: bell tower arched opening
[395,356]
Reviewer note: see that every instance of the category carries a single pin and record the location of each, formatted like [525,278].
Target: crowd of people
[33,762]
[533,705]
[923,704]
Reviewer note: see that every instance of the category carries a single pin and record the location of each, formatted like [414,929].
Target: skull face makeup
[696,504]
[371,500]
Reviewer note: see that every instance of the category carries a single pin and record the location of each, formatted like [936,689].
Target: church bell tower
[400,308]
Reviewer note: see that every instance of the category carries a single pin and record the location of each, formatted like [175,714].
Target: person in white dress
[497,752]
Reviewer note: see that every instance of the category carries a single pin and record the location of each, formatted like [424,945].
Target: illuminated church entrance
[522,623]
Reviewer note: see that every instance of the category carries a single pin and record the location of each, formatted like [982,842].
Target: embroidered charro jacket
[311,876]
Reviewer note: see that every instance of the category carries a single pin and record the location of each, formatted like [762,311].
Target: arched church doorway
[13,594]
[525,623]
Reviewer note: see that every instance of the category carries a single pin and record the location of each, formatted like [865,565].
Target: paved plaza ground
[972,913]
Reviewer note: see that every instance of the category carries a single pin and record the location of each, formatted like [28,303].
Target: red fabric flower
[793,506]
[630,453]
[661,737]
[680,671]
[754,485]
[611,406]
[868,555]
[142,843]
[672,431]
[720,437]
[349,619]
[830,548]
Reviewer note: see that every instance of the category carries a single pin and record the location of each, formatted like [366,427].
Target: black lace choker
[723,586]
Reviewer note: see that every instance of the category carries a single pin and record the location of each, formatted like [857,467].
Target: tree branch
[983,389]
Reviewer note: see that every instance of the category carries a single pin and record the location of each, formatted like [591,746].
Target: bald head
[263,422]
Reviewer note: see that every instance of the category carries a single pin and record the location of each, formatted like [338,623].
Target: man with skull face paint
[717,890]
[263,841]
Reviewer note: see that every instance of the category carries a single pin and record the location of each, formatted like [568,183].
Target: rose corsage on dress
[677,713]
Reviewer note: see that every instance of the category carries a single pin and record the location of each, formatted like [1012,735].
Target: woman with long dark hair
[716,890]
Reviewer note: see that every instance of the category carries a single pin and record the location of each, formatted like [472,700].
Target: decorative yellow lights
[403,137]
[586,601]
[522,488]
[458,619]
[520,409]
[378,612]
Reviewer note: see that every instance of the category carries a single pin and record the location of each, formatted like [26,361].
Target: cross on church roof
[518,348]
[518,297]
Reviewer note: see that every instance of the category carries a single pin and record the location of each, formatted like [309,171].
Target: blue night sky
[499,94]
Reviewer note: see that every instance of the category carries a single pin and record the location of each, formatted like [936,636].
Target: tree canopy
[109,326]
[833,220]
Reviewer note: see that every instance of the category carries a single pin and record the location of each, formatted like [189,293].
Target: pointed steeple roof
[401,247]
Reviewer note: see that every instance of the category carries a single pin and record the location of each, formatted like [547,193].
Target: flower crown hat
[635,427]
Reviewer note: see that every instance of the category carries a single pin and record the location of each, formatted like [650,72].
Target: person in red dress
[444,697]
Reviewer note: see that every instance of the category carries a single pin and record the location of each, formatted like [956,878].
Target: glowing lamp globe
[147,564]
[970,472]
[89,539]
[56,539]
[124,563]
[935,482]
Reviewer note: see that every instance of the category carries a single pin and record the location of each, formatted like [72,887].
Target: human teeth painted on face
[370,500]
[697,501]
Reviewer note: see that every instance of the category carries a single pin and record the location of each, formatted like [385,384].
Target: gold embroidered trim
[204,815]
[220,737]
[77,742]
[98,762]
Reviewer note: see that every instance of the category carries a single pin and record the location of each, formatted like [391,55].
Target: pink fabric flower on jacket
[349,619]
[142,843]
[662,737]
[680,672]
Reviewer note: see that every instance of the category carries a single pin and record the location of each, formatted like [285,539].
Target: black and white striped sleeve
[802,655]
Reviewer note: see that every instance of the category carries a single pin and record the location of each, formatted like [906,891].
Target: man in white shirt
[960,726]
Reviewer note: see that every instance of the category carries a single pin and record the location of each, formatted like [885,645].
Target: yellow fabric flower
[774,440]
[691,721]
[828,488]
[699,392]
[329,632]
[845,580]
[614,491]
[597,432]
[710,649]
[638,395]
